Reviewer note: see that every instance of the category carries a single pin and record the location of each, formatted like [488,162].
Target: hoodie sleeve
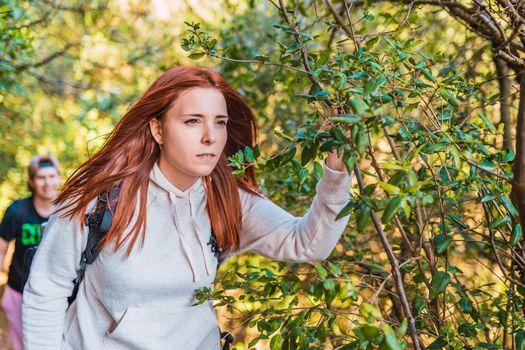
[50,283]
[271,231]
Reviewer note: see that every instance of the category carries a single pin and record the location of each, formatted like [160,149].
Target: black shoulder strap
[215,248]
[98,222]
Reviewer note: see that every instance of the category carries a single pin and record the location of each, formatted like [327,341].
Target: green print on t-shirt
[31,234]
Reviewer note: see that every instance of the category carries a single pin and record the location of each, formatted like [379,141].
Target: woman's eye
[221,122]
[191,121]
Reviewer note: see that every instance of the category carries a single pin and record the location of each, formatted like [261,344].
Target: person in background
[21,223]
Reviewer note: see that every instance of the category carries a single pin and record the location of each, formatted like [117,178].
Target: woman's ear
[155,127]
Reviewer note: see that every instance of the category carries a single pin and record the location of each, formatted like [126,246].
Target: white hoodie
[144,301]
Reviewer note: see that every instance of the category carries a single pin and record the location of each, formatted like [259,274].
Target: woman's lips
[206,155]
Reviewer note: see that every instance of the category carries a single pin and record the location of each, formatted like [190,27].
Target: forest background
[430,121]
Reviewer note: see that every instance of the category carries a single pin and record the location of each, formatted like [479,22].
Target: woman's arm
[273,232]
[50,283]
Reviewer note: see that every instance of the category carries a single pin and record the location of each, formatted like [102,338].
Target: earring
[160,146]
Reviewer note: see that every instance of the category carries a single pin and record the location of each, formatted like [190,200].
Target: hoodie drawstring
[181,235]
[182,239]
[199,236]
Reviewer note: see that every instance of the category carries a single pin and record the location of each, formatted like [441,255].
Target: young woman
[169,156]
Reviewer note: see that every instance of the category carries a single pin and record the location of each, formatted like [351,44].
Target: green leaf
[372,42]
[362,142]
[355,344]
[488,197]
[403,327]
[261,58]
[418,304]
[345,118]
[248,154]
[516,235]
[520,339]
[346,210]
[449,97]
[393,166]
[438,284]
[454,269]
[488,164]
[276,343]
[282,135]
[509,156]
[273,163]
[370,332]
[467,329]
[391,42]
[500,222]
[211,43]
[239,156]
[428,75]
[465,305]
[381,98]
[457,220]
[439,343]
[393,206]
[508,204]
[322,95]
[4,10]
[256,152]
[391,341]
[356,129]
[197,55]
[363,217]
[293,48]
[487,122]
[335,269]
[359,106]
[390,189]
[303,175]
[338,134]
[342,80]
[348,291]
[370,312]
[329,284]
[309,152]
[328,145]
[288,155]
[441,243]
[489,345]
[349,163]
[281,159]
[321,271]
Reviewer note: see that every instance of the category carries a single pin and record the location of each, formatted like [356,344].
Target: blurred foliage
[417,118]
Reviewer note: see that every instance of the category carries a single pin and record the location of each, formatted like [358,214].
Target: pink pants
[12,305]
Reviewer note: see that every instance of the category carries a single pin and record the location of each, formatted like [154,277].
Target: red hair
[130,152]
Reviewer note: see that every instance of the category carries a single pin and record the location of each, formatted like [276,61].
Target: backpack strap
[228,339]
[98,222]
[215,248]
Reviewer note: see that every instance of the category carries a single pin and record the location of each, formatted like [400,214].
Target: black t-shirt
[21,222]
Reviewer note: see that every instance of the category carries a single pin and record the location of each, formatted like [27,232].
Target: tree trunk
[504,89]
[518,180]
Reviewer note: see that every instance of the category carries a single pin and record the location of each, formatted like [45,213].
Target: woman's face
[192,134]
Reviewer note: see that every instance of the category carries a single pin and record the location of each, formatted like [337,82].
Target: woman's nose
[208,136]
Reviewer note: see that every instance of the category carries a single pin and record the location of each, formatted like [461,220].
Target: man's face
[46,183]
